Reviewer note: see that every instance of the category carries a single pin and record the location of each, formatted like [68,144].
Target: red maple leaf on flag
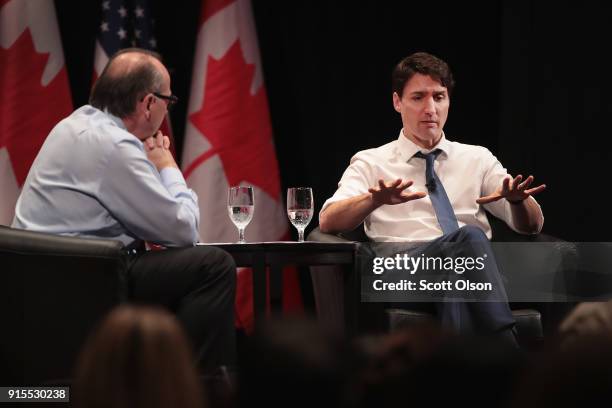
[237,123]
[28,110]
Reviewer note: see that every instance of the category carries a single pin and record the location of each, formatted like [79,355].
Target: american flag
[126,23]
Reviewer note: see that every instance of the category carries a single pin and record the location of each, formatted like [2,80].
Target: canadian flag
[228,140]
[34,90]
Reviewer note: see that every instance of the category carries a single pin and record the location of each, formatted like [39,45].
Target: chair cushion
[402,318]
[528,321]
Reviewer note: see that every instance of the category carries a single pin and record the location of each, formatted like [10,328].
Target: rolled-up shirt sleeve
[155,207]
[356,180]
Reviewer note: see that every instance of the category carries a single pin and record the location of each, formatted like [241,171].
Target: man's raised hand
[393,192]
[514,191]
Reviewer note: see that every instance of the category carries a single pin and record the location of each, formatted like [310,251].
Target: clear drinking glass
[240,206]
[300,208]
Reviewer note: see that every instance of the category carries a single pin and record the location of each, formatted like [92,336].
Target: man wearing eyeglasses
[106,171]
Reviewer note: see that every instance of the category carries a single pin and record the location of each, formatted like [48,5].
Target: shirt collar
[117,120]
[407,148]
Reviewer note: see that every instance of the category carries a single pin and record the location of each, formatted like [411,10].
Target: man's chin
[431,138]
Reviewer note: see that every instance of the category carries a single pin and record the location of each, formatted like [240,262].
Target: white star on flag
[139,11]
[104,26]
[153,42]
[121,33]
[137,33]
[106,5]
[122,11]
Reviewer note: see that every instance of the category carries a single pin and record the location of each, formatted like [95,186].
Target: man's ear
[145,106]
[397,102]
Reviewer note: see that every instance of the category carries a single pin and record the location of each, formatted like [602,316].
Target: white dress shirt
[92,178]
[467,172]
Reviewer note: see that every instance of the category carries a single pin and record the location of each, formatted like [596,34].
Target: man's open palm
[394,192]
[513,190]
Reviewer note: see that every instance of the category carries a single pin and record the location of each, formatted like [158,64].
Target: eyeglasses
[170,99]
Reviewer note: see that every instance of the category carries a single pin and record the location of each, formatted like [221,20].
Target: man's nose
[430,106]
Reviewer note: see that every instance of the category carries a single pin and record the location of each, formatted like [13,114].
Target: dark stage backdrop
[532,85]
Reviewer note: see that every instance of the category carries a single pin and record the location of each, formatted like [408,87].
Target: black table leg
[259,287]
[276,288]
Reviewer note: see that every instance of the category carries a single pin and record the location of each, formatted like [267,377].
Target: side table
[277,255]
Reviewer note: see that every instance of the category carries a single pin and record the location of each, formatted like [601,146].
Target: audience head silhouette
[294,362]
[138,357]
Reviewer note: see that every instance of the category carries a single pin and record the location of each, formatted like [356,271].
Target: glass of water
[300,208]
[240,206]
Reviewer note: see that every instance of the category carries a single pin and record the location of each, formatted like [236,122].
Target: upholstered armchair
[53,290]
[533,319]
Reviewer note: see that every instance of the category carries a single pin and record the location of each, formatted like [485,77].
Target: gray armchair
[53,290]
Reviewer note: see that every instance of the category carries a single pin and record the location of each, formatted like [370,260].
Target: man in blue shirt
[106,171]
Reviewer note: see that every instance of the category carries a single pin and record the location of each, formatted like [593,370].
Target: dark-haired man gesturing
[452,185]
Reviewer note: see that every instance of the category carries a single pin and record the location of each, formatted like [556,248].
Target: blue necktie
[437,194]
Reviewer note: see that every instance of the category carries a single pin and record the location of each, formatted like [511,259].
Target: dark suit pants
[490,314]
[198,284]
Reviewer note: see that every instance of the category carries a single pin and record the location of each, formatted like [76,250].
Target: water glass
[300,208]
[240,206]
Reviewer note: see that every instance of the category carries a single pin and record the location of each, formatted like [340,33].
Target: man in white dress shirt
[401,198]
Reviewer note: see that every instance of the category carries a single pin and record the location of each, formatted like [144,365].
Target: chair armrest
[318,236]
[54,290]
[38,243]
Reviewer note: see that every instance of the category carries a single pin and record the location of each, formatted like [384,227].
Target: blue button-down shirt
[92,178]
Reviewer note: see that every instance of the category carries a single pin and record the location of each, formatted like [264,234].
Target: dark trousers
[488,315]
[198,284]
